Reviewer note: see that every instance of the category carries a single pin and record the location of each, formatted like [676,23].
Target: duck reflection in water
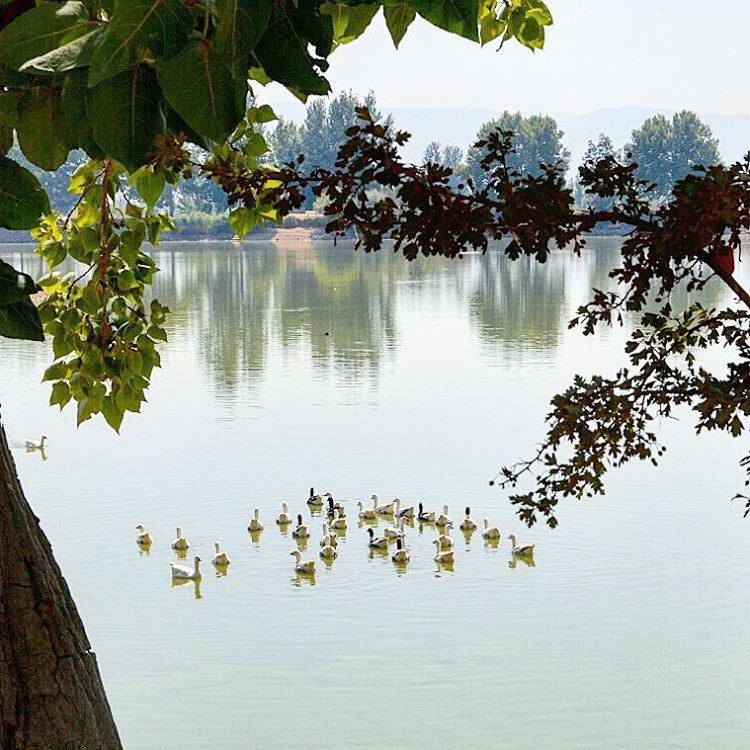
[177,582]
[301,579]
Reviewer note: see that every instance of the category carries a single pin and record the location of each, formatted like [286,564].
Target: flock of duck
[336,524]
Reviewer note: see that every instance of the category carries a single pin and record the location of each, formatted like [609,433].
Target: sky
[670,54]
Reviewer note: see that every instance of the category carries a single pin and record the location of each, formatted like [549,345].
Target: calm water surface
[298,365]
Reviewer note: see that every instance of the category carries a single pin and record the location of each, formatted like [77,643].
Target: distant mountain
[458,127]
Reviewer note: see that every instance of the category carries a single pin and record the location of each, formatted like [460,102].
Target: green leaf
[457,16]
[242,220]
[56,371]
[161,26]
[60,394]
[349,21]
[75,54]
[125,117]
[126,281]
[150,186]
[22,199]
[14,285]
[241,25]
[20,320]
[398,18]
[283,53]
[41,29]
[43,133]
[74,98]
[201,89]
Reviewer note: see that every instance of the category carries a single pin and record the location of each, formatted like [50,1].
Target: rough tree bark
[51,693]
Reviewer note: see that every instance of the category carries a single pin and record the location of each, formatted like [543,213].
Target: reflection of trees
[518,302]
[235,301]
[237,306]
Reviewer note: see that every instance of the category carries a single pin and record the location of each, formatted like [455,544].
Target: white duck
[366,514]
[400,555]
[33,445]
[220,558]
[490,532]
[184,571]
[377,542]
[329,537]
[443,519]
[284,518]
[180,543]
[300,532]
[445,539]
[338,522]
[328,551]
[396,531]
[442,556]
[522,550]
[425,516]
[302,566]
[255,524]
[384,509]
[407,512]
[468,524]
[143,536]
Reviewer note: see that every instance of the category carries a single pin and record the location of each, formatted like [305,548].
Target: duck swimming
[400,555]
[255,524]
[180,543]
[442,556]
[490,532]
[300,532]
[302,566]
[284,518]
[468,524]
[522,550]
[220,558]
[143,536]
[366,514]
[426,516]
[377,542]
[183,571]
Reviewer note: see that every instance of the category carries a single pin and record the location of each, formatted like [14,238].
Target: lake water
[297,365]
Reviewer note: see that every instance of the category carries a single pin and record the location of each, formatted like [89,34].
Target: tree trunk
[51,693]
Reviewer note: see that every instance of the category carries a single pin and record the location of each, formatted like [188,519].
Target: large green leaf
[457,16]
[201,89]
[22,199]
[124,115]
[398,18]
[75,95]
[20,320]
[43,133]
[161,26]
[42,29]
[14,285]
[75,54]
[349,21]
[283,52]
[241,25]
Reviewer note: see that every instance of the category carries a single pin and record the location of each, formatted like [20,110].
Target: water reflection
[196,583]
[343,307]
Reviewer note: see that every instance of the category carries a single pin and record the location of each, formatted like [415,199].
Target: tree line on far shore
[665,149]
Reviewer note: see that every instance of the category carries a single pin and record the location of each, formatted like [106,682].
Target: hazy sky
[600,53]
